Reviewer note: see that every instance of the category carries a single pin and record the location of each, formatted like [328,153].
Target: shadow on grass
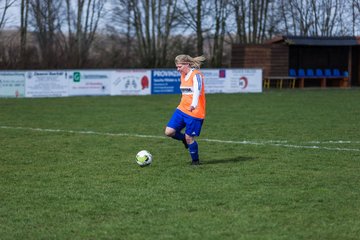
[228,160]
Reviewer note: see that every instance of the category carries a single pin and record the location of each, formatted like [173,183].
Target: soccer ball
[143,158]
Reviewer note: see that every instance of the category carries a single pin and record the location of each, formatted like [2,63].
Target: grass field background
[276,165]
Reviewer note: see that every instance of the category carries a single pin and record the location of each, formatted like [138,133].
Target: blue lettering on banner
[165,82]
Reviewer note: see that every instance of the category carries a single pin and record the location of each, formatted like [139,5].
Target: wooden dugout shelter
[308,61]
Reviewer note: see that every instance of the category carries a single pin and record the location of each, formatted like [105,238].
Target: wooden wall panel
[273,59]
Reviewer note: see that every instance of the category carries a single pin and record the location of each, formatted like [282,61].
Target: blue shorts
[180,120]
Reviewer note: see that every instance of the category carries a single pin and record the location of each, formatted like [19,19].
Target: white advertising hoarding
[89,82]
[12,84]
[215,80]
[46,84]
[244,80]
[62,83]
[131,82]
[232,80]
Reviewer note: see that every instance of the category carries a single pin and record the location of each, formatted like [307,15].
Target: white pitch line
[282,143]
[83,132]
[334,142]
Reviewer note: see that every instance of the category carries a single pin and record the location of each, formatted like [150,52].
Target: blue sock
[194,152]
[179,136]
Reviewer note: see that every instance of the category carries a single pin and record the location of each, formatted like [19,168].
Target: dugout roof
[316,41]
[282,53]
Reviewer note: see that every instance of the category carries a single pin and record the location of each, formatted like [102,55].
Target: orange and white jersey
[193,94]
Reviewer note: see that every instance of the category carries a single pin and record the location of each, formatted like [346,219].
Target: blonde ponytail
[193,62]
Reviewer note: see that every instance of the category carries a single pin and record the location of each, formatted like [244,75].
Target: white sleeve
[197,84]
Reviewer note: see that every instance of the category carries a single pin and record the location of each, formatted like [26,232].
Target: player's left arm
[197,84]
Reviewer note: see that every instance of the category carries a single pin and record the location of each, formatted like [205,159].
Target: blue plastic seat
[319,72]
[336,72]
[292,72]
[301,72]
[346,73]
[309,72]
[328,73]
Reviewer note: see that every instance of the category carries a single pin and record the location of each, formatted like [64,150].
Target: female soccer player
[190,113]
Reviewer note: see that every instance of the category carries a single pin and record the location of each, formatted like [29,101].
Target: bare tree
[121,32]
[148,33]
[325,14]
[149,23]
[354,9]
[297,16]
[252,19]
[166,20]
[24,13]
[82,20]
[196,15]
[315,17]
[9,52]
[274,20]
[46,22]
[220,13]
[198,24]
[4,7]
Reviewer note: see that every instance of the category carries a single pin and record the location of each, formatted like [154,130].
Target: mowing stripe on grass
[280,143]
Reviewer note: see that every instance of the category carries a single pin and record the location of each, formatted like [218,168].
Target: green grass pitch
[276,165]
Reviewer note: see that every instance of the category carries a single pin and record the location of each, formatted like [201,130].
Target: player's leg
[193,128]
[193,149]
[174,127]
